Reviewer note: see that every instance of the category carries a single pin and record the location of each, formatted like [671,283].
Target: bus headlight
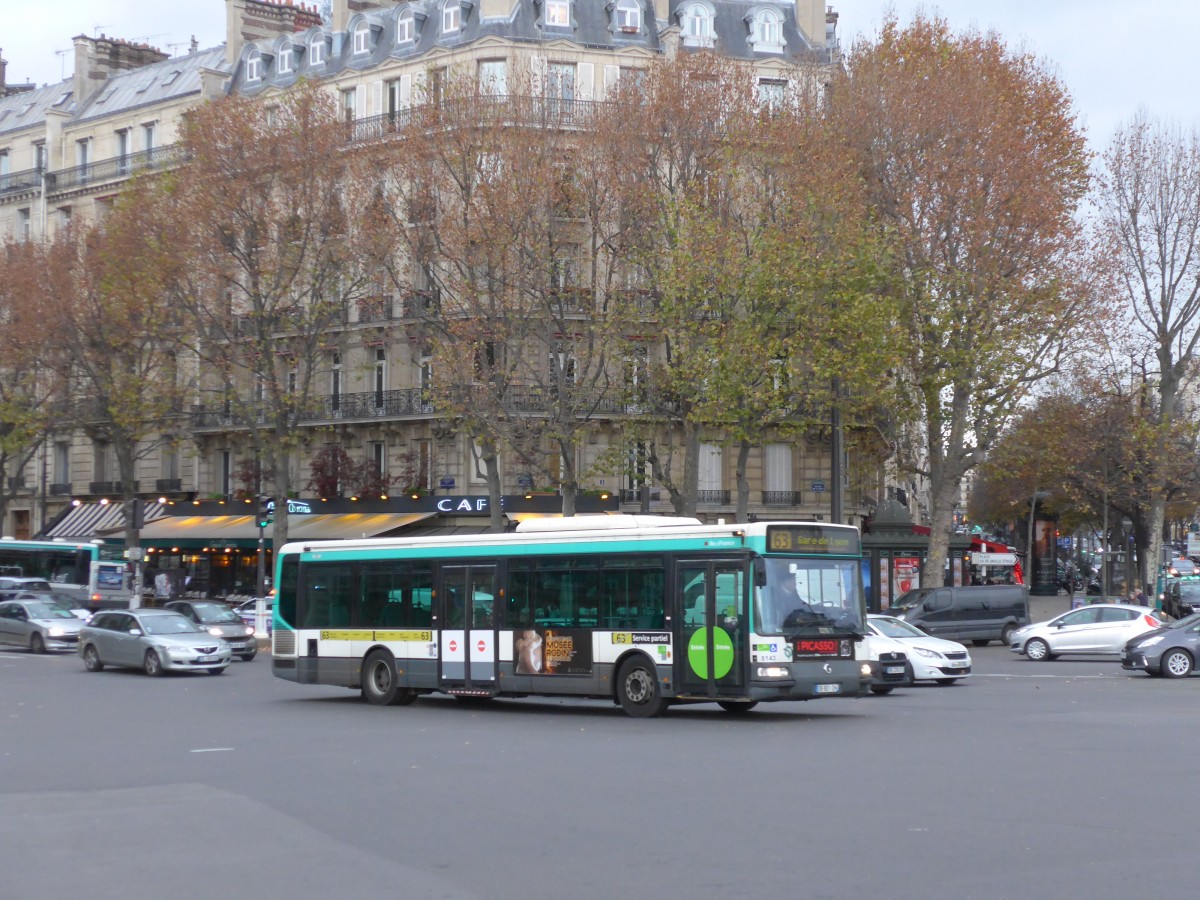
[865,670]
[773,672]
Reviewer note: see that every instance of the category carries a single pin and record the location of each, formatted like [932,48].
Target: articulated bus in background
[93,572]
[643,610]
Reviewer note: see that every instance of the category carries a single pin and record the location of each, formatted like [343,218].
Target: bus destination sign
[812,538]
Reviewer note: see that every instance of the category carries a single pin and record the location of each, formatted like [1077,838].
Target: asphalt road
[1029,780]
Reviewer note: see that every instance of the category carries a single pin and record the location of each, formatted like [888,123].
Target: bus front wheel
[638,690]
[380,685]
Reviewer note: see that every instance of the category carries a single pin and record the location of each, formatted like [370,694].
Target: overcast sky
[1113,55]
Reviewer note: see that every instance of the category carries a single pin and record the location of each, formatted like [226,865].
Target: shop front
[894,554]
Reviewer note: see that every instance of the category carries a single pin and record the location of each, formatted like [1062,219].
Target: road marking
[1001,675]
[213,750]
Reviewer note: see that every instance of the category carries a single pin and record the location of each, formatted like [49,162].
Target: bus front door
[468,629]
[712,613]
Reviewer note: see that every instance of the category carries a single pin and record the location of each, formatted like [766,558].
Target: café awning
[97,520]
[198,532]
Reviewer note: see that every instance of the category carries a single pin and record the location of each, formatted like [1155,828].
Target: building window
[254,66]
[23,225]
[169,463]
[628,16]
[766,31]
[123,151]
[451,17]
[696,19]
[100,461]
[4,166]
[558,13]
[335,383]
[348,104]
[148,136]
[362,38]
[285,58]
[39,155]
[64,217]
[405,27]
[425,382]
[560,88]
[770,94]
[380,378]
[83,152]
[62,462]
[225,473]
[493,77]
[316,51]
[378,457]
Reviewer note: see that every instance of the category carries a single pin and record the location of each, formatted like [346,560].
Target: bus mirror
[760,572]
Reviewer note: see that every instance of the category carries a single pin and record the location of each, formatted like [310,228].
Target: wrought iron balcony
[25,180]
[109,487]
[782,498]
[114,168]
[718,497]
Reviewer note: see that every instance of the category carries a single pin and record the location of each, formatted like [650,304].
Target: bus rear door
[712,616]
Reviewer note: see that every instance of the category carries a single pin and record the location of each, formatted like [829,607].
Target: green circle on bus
[697,652]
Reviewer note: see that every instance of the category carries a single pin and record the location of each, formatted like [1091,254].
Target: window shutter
[376,105]
[612,77]
[585,76]
[360,101]
[405,98]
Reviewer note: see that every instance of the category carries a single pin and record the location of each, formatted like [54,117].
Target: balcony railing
[712,497]
[634,495]
[512,109]
[116,167]
[109,487]
[782,498]
[25,180]
[60,488]
[16,482]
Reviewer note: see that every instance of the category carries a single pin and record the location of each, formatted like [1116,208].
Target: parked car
[1101,628]
[220,621]
[11,585]
[1170,651]
[38,626]
[69,602]
[978,613]
[154,640]
[888,660]
[931,659]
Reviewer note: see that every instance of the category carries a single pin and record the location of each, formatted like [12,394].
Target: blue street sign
[818,487]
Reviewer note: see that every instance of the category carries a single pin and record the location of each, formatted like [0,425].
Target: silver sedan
[38,626]
[154,640]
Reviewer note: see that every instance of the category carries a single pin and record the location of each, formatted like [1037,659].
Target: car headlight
[55,631]
[180,652]
[865,670]
[215,631]
[928,654]
[1150,642]
[249,631]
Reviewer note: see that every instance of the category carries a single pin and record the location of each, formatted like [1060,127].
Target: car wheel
[380,687]
[36,644]
[637,689]
[1037,650]
[246,657]
[91,659]
[1006,636]
[880,689]
[1176,664]
[978,642]
[220,670]
[737,706]
[152,664]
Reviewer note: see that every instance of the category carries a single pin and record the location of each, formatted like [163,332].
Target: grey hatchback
[154,640]
[38,626]
[220,621]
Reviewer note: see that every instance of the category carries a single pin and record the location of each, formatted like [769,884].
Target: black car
[1170,651]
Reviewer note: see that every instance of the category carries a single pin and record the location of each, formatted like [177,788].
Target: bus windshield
[803,594]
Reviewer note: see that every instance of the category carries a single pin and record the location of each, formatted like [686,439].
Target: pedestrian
[1140,598]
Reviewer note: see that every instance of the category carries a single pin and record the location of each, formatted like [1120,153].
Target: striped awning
[89,521]
[197,532]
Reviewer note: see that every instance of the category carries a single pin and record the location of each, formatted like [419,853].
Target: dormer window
[627,16]
[558,13]
[766,31]
[254,66]
[451,17]
[316,51]
[362,38]
[285,59]
[406,30]
[696,21]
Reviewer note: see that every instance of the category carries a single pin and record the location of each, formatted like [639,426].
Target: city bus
[93,572]
[645,611]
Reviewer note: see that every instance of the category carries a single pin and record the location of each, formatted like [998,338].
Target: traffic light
[266,508]
[135,515]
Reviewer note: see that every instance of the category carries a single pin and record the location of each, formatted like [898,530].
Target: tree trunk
[743,483]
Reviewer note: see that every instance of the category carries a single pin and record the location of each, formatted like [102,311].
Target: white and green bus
[644,610]
[93,572]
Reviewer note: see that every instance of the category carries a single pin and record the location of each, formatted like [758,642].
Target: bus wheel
[737,706]
[637,689]
[379,684]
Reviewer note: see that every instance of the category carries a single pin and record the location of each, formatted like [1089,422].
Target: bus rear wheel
[638,690]
[380,686]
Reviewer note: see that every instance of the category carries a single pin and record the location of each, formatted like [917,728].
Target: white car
[931,659]
[888,661]
[1101,628]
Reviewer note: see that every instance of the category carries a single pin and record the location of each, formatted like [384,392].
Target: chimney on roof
[193,45]
[98,59]
[250,21]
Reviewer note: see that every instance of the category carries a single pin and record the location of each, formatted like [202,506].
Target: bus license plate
[827,688]
[894,670]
